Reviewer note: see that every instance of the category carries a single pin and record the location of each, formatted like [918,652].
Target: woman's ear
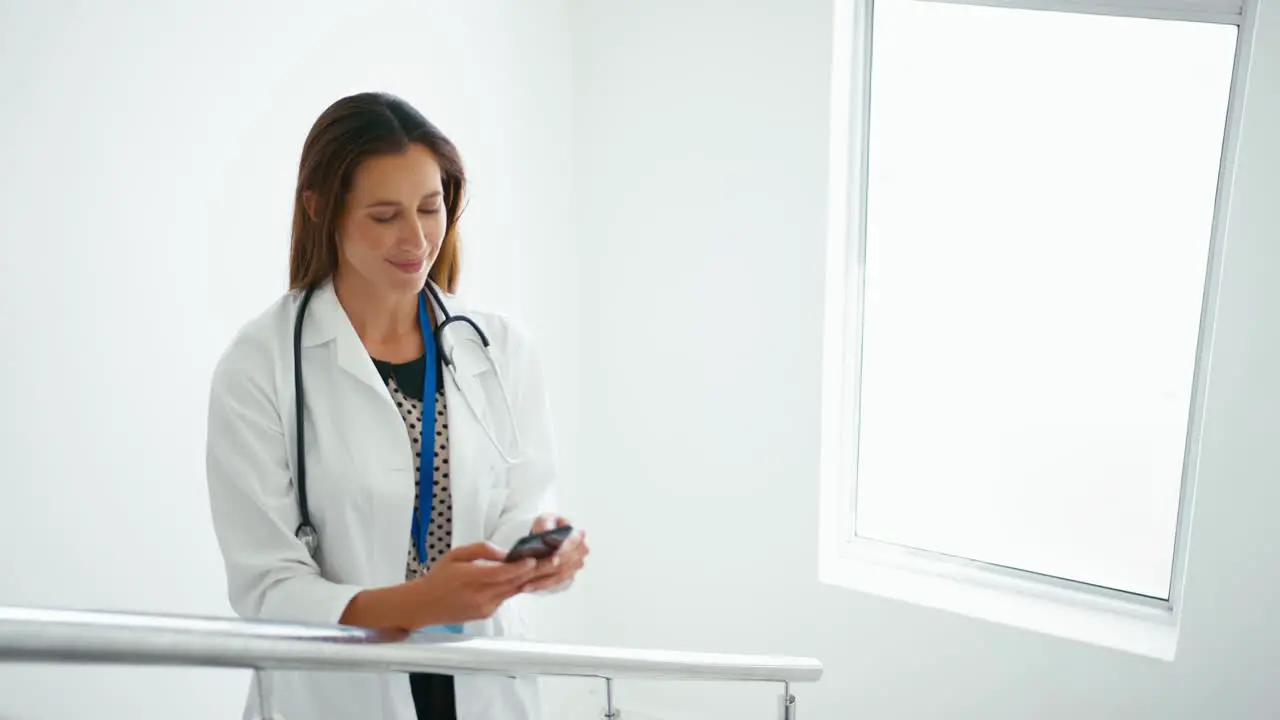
[309,202]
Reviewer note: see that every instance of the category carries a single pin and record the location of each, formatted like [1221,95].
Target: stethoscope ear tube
[306,532]
[446,320]
[446,353]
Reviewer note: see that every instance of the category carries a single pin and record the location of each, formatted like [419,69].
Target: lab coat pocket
[499,490]
[386,514]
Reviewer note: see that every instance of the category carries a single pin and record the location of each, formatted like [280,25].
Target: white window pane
[1040,198]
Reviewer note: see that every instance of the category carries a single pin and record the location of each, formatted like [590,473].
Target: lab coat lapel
[327,320]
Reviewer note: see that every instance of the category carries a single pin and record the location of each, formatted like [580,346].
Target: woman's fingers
[571,549]
[548,521]
[556,569]
[504,576]
[476,551]
[566,565]
[548,566]
[555,580]
[541,585]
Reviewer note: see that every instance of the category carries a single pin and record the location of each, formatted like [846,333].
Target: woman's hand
[470,583]
[560,568]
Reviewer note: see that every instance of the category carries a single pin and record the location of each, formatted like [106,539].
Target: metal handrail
[43,635]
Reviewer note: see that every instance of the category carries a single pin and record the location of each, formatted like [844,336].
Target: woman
[374,261]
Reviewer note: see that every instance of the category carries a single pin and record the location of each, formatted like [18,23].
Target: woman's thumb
[478,551]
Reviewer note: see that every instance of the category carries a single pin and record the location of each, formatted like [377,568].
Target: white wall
[147,163]
[702,163]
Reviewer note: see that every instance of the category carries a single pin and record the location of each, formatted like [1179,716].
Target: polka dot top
[404,382]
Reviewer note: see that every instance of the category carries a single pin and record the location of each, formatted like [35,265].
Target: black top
[408,375]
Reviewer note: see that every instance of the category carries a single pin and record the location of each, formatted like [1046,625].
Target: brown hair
[346,133]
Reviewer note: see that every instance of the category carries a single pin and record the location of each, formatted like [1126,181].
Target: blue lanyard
[427,446]
[426,462]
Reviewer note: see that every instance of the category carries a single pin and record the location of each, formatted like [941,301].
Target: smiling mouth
[409,266]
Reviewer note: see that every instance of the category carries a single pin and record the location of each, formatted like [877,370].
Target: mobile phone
[539,545]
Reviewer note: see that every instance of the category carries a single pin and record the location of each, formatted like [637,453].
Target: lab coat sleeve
[532,481]
[270,575]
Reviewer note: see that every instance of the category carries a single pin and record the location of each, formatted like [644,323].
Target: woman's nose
[414,234]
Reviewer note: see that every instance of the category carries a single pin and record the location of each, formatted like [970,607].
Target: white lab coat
[360,486]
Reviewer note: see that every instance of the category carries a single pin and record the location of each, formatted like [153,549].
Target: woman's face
[394,221]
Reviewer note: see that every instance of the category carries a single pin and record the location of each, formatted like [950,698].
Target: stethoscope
[463,350]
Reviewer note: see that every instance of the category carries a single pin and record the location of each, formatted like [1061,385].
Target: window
[1023,274]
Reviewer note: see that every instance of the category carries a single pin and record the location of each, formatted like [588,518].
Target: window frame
[1043,603]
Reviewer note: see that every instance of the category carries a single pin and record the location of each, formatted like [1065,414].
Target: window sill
[977,591]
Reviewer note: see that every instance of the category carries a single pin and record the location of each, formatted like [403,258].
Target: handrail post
[788,704]
[610,712]
[263,680]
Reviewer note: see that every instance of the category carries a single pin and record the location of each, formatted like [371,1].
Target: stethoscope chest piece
[310,538]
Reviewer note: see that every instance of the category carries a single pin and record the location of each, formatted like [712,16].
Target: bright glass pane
[1040,199]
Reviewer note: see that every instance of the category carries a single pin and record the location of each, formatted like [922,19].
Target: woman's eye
[385,219]
[429,211]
